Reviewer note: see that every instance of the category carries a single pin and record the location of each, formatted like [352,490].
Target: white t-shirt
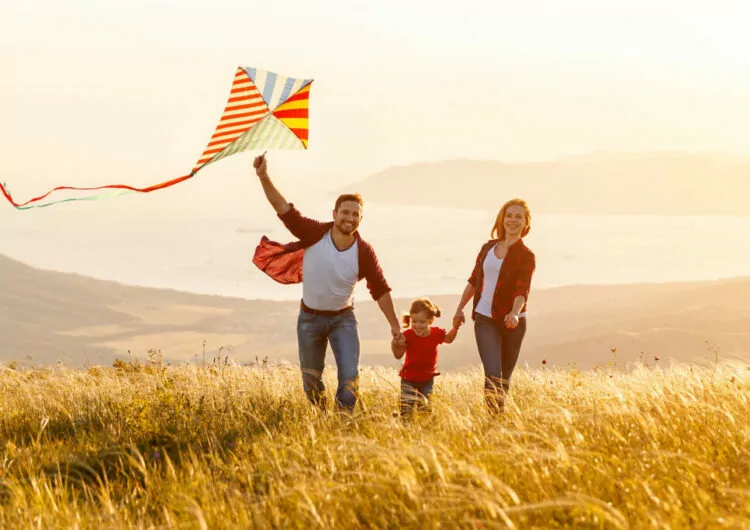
[329,275]
[491,267]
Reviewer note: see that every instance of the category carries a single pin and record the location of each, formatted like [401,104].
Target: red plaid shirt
[283,262]
[514,280]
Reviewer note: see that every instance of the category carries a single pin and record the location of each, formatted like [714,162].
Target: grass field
[150,446]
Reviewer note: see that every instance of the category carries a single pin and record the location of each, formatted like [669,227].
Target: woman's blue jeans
[499,348]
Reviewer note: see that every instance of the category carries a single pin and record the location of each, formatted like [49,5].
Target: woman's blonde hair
[498,231]
[421,305]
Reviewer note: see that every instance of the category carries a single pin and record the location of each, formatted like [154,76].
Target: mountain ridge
[658,183]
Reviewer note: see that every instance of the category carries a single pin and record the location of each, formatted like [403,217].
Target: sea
[423,250]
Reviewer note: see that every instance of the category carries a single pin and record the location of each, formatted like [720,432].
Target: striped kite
[264,111]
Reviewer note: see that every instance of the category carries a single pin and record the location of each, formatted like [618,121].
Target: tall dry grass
[230,447]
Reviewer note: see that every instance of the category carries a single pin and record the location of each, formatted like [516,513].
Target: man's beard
[346,231]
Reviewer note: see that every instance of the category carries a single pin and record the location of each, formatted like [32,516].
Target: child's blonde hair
[421,305]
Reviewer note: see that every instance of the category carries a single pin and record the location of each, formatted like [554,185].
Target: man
[329,259]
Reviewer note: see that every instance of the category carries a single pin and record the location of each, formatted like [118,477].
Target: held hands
[398,335]
[459,319]
[398,348]
[260,165]
[398,343]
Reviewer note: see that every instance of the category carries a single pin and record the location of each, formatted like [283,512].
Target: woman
[499,285]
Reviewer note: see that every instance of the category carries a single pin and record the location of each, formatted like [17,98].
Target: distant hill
[601,183]
[49,317]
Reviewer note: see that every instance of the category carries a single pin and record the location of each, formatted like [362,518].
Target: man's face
[347,217]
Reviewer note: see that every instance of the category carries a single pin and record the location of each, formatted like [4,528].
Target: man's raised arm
[273,195]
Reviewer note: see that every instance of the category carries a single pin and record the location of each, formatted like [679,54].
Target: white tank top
[491,269]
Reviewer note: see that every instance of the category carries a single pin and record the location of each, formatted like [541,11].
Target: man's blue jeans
[314,332]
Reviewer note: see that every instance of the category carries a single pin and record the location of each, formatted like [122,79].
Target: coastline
[75,320]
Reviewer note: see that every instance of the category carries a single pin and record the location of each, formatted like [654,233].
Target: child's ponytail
[421,305]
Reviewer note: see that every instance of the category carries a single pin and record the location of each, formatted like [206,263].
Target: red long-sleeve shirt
[514,280]
[283,262]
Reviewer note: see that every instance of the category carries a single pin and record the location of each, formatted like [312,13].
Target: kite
[264,111]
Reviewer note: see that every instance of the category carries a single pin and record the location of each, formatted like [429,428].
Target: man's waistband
[323,312]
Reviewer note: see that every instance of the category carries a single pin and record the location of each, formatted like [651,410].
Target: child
[422,341]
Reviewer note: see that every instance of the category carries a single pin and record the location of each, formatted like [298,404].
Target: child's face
[421,322]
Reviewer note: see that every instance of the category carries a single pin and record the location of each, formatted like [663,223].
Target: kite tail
[121,188]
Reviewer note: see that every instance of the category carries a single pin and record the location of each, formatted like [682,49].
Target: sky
[97,92]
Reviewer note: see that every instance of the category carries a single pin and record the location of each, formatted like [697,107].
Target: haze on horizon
[130,91]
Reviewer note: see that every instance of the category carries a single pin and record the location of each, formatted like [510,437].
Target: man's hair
[355,197]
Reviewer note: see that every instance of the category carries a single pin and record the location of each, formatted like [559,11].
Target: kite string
[30,203]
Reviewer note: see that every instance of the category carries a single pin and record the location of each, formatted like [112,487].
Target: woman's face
[515,220]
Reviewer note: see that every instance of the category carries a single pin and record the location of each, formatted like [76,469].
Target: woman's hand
[511,321]
[458,319]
